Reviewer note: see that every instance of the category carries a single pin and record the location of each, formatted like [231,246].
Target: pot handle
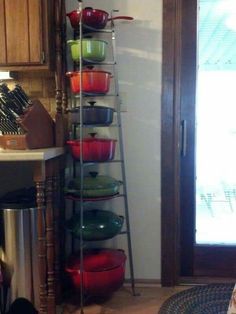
[73,271]
[122,17]
[73,12]
[71,42]
[93,174]
[69,74]
[88,8]
[122,218]
[121,250]
[70,13]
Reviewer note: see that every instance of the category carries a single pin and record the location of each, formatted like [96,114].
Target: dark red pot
[94,149]
[104,271]
[93,18]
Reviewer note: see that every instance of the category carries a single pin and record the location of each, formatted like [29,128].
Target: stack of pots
[94,81]
[103,269]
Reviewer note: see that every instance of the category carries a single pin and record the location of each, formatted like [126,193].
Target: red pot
[93,81]
[94,149]
[103,271]
[93,18]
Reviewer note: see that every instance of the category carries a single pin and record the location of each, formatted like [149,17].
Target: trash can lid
[19,199]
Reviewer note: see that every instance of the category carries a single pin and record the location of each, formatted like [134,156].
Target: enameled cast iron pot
[92,115]
[94,149]
[98,225]
[103,271]
[93,81]
[93,18]
[92,49]
[94,186]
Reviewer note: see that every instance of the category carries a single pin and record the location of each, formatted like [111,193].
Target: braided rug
[208,299]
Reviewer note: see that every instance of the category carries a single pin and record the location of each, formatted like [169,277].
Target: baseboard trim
[144,283]
[204,280]
[183,281]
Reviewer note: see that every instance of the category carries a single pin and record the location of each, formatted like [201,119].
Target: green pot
[97,225]
[94,186]
[92,49]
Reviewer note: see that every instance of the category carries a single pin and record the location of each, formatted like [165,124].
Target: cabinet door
[23,33]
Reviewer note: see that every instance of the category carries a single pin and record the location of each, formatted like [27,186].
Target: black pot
[92,115]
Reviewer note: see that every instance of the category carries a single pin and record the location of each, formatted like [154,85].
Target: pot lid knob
[92,103]
[93,134]
[90,67]
[93,174]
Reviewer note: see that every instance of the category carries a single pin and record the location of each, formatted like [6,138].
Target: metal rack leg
[123,165]
[126,208]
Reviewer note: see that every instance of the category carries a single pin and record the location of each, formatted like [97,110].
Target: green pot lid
[94,182]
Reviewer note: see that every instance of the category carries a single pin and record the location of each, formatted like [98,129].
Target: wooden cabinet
[26,34]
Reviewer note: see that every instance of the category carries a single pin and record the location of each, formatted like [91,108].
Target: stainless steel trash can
[19,243]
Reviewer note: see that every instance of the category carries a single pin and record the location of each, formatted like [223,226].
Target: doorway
[186,256]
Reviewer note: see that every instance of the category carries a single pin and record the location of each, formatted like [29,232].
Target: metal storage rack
[75,126]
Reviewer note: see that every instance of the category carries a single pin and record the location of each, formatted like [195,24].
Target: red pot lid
[91,139]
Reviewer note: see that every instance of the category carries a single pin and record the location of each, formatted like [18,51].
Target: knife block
[39,130]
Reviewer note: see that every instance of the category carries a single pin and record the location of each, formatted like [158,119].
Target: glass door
[216,124]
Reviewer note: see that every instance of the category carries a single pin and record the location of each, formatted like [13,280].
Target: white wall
[139,54]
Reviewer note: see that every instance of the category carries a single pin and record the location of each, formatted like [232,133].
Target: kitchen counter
[42,154]
[48,172]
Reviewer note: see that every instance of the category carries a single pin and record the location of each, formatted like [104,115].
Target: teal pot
[93,50]
[97,225]
[94,186]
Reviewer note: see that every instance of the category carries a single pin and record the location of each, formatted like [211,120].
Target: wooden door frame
[170,142]
[177,212]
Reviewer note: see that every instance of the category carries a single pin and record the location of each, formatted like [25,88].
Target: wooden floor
[123,302]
